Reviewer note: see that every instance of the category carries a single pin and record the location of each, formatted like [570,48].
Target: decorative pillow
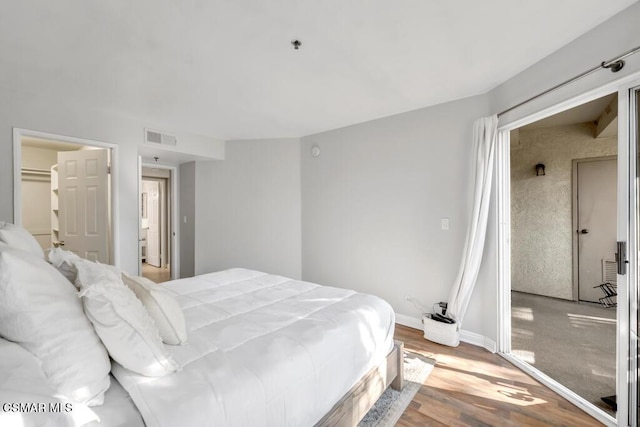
[19,238]
[41,311]
[23,386]
[161,306]
[64,262]
[121,321]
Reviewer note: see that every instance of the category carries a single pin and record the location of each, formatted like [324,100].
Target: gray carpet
[390,406]
[573,343]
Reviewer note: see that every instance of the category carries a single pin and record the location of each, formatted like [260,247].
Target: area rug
[389,408]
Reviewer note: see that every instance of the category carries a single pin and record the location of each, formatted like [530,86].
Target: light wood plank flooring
[155,274]
[470,386]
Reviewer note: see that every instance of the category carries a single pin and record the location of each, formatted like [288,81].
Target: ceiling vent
[155,137]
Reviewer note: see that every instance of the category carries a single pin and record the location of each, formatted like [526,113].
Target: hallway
[156,274]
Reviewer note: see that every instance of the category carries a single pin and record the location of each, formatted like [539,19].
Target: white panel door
[153,216]
[597,222]
[83,203]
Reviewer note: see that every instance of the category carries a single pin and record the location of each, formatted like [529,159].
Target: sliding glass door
[634,254]
[628,264]
[625,268]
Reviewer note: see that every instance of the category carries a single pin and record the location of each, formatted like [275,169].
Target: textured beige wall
[541,216]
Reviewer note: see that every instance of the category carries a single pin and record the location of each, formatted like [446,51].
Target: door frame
[19,134]
[574,219]
[149,255]
[626,343]
[629,131]
[174,264]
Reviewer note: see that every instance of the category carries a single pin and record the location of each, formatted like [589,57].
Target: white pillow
[161,306]
[19,238]
[121,321]
[22,382]
[41,311]
[64,261]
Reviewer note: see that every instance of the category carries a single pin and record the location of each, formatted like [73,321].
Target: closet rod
[616,64]
[36,171]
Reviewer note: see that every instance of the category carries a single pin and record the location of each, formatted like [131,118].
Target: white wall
[36,111]
[248,208]
[613,37]
[541,206]
[373,200]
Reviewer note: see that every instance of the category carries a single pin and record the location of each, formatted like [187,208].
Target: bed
[262,350]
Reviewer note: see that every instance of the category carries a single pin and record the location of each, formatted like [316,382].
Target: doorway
[627,112]
[563,216]
[157,228]
[63,193]
[594,222]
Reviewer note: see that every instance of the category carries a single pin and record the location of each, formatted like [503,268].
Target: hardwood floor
[470,386]
[155,274]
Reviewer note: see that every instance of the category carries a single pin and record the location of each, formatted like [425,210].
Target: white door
[162,205]
[597,216]
[153,216]
[83,203]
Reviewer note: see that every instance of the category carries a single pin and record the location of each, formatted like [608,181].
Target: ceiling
[587,112]
[227,69]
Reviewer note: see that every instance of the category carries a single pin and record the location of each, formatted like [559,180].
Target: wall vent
[609,271]
[155,137]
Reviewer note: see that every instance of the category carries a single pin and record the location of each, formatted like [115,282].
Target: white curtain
[485,135]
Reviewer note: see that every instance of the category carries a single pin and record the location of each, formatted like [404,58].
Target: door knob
[584,231]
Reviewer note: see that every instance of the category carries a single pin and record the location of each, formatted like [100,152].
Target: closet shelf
[55,226]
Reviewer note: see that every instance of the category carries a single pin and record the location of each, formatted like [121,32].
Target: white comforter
[263,350]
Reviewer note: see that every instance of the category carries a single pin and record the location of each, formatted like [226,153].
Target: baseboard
[465,336]
[409,321]
[479,340]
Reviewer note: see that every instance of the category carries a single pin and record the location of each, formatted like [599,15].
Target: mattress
[263,350]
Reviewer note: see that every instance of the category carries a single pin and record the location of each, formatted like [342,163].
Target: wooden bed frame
[356,403]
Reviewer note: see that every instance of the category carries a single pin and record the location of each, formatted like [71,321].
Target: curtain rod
[616,64]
